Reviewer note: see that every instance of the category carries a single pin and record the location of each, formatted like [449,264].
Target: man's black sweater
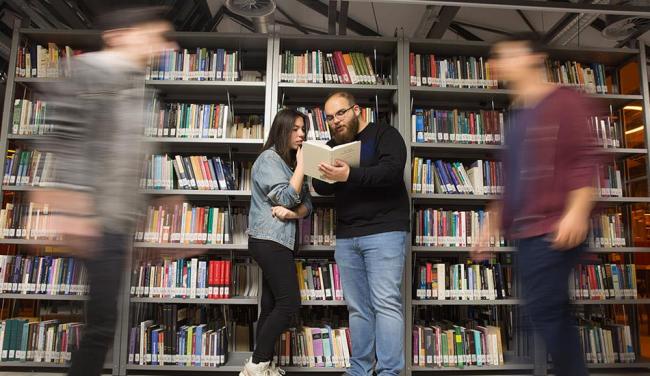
[374,199]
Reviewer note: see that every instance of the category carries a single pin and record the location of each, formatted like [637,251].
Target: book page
[313,154]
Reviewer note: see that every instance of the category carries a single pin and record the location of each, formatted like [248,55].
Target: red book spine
[341,67]
[227,277]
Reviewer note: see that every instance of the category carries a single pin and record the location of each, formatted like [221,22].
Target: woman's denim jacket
[270,187]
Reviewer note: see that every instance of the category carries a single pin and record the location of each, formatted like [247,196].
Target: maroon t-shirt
[551,152]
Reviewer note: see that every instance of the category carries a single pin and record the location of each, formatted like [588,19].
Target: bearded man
[372,213]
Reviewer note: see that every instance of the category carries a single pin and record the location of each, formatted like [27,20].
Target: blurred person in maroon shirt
[549,167]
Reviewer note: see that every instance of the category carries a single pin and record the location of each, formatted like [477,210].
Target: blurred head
[137,32]
[287,134]
[518,58]
[342,115]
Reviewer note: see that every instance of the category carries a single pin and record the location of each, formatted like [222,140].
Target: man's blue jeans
[371,274]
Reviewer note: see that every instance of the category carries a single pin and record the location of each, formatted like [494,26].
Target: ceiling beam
[331,17]
[39,7]
[526,20]
[598,24]
[464,33]
[307,28]
[429,17]
[69,13]
[353,25]
[292,21]
[343,17]
[533,5]
[555,30]
[243,21]
[484,28]
[216,20]
[445,17]
[35,18]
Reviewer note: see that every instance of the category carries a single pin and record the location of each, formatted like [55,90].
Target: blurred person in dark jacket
[549,168]
[98,121]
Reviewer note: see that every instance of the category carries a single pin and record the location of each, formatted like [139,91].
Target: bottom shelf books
[49,341]
[192,336]
[607,344]
[314,347]
[449,345]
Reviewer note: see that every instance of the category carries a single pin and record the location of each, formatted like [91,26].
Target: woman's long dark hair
[280,134]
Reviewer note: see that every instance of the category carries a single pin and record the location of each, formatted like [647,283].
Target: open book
[317,152]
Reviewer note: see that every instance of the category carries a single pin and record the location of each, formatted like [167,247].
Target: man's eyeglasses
[339,114]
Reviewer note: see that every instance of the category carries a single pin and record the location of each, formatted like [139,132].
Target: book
[315,153]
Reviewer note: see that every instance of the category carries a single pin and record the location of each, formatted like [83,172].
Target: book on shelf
[606,230]
[336,67]
[195,278]
[188,224]
[319,228]
[319,280]
[590,78]
[317,128]
[189,120]
[452,228]
[606,342]
[442,177]
[199,64]
[26,220]
[457,127]
[607,131]
[314,347]
[191,336]
[603,281]
[42,275]
[32,340]
[457,71]
[27,167]
[315,153]
[608,181]
[29,117]
[445,281]
[195,172]
[49,61]
[448,345]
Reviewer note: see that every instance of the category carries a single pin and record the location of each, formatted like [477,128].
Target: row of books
[608,344]
[456,71]
[314,347]
[603,281]
[49,275]
[590,78]
[27,167]
[200,345]
[331,68]
[452,228]
[317,126]
[606,130]
[188,224]
[31,340]
[319,280]
[454,126]
[438,176]
[189,120]
[29,117]
[462,282]
[49,61]
[319,228]
[608,181]
[26,220]
[202,121]
[198,172]
[200,64]
[202,278]
[448,345]
[607,230]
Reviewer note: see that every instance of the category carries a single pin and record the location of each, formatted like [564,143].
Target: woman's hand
[299,159]
[282,213]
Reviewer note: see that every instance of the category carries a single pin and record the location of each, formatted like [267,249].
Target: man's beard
[349,134]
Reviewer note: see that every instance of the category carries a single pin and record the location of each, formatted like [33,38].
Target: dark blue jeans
[545,290]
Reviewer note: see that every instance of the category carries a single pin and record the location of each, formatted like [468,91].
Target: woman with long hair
[279,198]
